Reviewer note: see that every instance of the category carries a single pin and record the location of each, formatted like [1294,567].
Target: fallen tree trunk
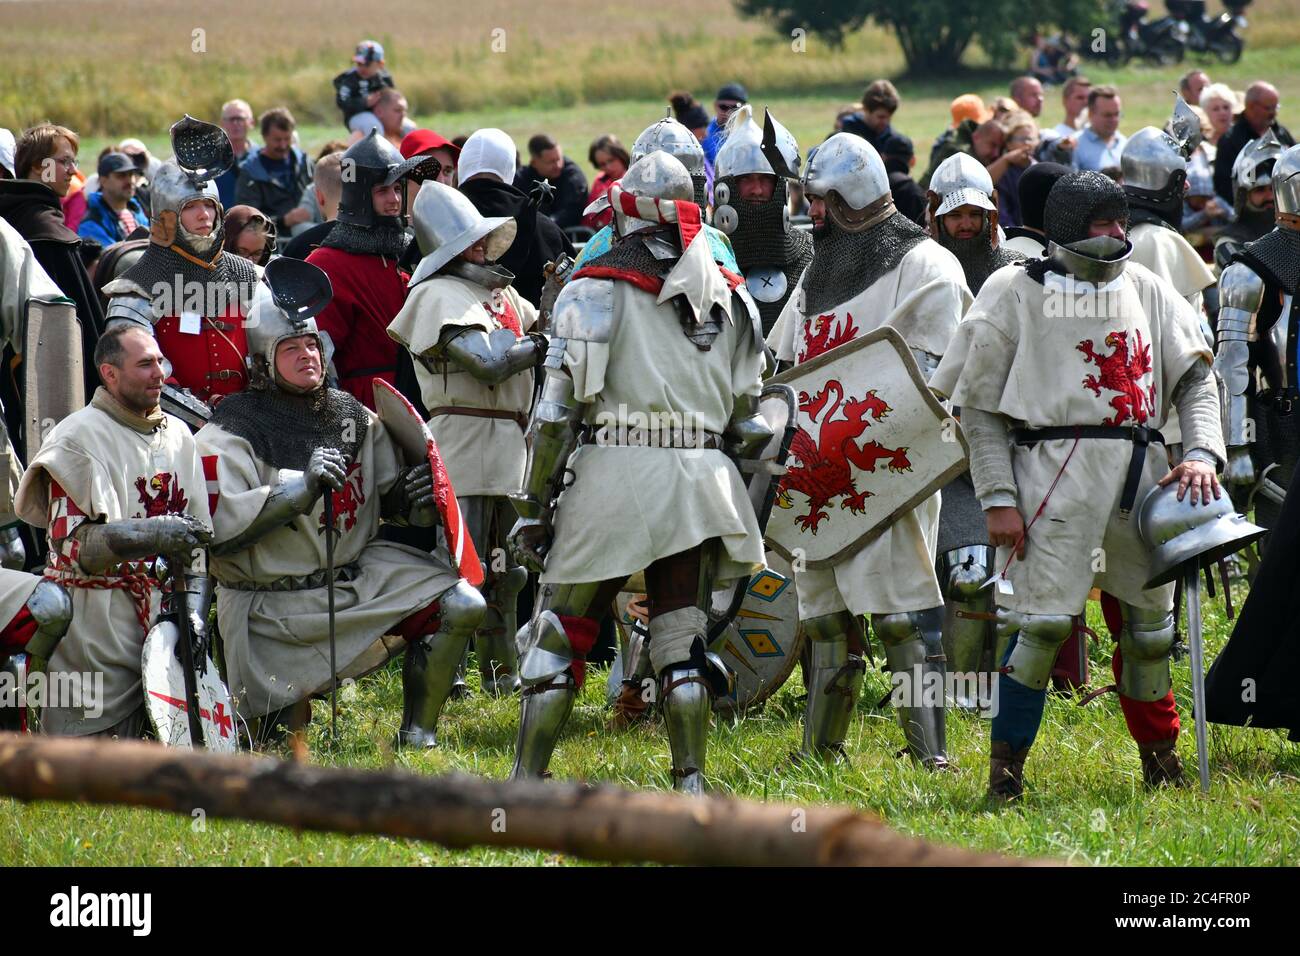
[598,823]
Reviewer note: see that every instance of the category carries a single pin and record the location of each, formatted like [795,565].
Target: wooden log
[601,822]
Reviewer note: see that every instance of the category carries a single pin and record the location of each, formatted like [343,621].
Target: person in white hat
[964,218]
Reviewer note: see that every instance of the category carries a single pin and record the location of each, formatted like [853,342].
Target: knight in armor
[116,485]
[1037,181]
[671,137]
[752,206]
[1065,369]
[1258,322]
[469,333]
[271,454]
[38,612]
[361,255]
[964,219]
[1252,198]
[871,266]
[191,293]
[653,374]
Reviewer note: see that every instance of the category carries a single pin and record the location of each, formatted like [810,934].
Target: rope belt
[136,584]
[519,418]
[1139,435]
[298,582]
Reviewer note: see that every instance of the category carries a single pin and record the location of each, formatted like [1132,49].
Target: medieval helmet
[1076,201]
[446,224]
[1180,532]
[1286,182]
[367,163]
[1254,166]
[1153,165]
[202,152]
[292,293]
[962,180]
[671,137]
[848,173]
[656,176]
[741,154]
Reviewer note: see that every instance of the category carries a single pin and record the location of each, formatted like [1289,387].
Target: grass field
[1086,802]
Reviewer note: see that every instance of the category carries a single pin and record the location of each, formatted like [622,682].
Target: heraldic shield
[411,435]
[872,443]
[163,677]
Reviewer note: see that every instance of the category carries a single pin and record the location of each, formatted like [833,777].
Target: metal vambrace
[106,545]
[13,555]
[491,357]
[748,432]
[1038,643]
[1241,292]
[1145,641]
[290,497]
[552,437]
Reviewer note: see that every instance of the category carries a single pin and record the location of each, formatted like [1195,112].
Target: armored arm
[748,432]
[410,500]
[926,362]
[990,458]
[1241,293]
[131,308]
[491,358]
[294,494]
[1197,399]
[102,546]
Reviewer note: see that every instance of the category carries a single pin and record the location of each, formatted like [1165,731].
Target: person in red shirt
[361,255]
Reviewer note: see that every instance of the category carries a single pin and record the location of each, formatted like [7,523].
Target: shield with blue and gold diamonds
[762,642]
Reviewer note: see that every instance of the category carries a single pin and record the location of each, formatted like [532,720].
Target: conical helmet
[446,224]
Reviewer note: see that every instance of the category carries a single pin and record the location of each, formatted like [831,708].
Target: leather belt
[294,582]
[224,374]
[1139,435]
[519,418]
[679,438]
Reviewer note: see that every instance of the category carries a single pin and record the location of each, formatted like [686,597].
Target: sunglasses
[729,107]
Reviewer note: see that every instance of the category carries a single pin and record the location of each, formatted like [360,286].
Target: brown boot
[1161,764]
[630,706]
[1006,772]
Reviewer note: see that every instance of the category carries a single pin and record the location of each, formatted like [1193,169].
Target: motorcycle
[1161,42]
[1217,36]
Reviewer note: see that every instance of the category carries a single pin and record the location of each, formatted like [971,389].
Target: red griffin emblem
[348,499]
[823,471]
[161,495]
[1122,372]
[821,333]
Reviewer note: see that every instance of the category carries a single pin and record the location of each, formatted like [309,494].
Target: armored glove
[326,469]
[1240,470]
[411,499]
[530,540]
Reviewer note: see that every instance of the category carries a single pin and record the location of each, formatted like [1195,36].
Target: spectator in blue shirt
[729,99]
[273,178]
[1099,146]
[113,212]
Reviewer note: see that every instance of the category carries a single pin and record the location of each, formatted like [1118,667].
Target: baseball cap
[419,141]
[116,163]
[969,106]
[368,51]
[488,150]
[733,92]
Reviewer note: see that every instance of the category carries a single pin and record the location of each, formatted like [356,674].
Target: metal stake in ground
[1192,591]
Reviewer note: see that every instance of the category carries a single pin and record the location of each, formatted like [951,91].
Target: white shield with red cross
[163,677]
[412,437]
[872,443]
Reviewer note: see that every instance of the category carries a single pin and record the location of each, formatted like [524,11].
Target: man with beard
[653,331]
[751,205]
[270,454]
[964,218]
[1064,370]
[871,266]
[191,293]
[362,255]
[1252,196]
[468,331]
[116,485]
[1258,323]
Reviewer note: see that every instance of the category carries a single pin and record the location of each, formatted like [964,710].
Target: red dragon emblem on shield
[1122,372]
[822,472]
[348,499]
[161,495]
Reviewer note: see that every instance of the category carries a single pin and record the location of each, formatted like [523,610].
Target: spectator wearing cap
[1100,145]
[730,98]
[357,89]
[112,211]
[611,157]
[237,121]
[1028,238]
[273,178]
[425,142]
[1258,116]
[909,198]
[968,112]
[548,164]
[326,189]
[487,178]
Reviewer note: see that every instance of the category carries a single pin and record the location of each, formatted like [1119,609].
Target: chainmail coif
[845,263]
[284,429]
[379,240]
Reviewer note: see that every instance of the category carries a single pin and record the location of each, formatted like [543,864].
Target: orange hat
[969,106]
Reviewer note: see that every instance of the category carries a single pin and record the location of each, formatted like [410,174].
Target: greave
[914,652]
[686,701]
[543,711]
[834,678]
[494,642]
[427,675]
[967,625]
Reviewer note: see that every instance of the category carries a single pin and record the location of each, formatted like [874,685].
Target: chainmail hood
[231,280]
[759,238]
[1276,256]
[385,240]
[284,429]
[1077,200]
[845,263]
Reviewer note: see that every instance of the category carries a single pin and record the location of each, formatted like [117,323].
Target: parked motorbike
[1215,36]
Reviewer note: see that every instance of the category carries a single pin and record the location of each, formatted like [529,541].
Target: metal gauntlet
[410,501]
[291,496]
[1241,292]
[491,358]
[748,432]
[552,437]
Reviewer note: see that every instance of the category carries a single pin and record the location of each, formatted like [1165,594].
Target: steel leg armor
[430,665]
[489,519]
[834,679]
[689,677]
[914,651]
[967,627]
[1145,642]
[544,709]
[1037,646]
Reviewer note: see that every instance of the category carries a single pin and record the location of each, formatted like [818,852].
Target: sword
[181,601]
[1192,591]
[329,590]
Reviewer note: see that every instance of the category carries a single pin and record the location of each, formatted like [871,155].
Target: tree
[934,34]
